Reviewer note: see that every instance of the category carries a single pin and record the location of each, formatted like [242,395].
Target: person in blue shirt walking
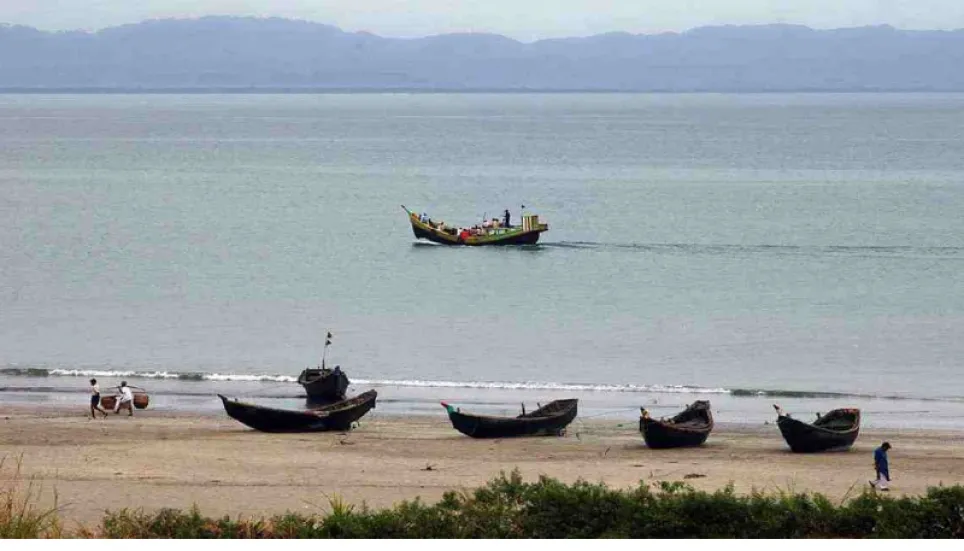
[880,465]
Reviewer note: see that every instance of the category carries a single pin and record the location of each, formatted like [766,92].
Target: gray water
[699,245]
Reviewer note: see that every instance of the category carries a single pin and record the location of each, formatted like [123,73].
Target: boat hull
[334,417]
[324,388]
[141,401]
[661,435]
[530,237]
[806,438]
[689,428]
[526,234]
[481,426]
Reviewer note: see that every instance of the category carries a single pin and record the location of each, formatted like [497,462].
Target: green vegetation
[19,517]
[507,507]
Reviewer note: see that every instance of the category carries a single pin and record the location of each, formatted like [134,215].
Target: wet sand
[160,459]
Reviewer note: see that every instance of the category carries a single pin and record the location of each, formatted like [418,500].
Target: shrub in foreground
[507,507]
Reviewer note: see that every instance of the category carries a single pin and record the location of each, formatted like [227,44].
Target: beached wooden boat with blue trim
[491,232]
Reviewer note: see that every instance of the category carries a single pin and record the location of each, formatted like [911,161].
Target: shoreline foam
[33,372]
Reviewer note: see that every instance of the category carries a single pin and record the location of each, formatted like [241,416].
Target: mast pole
[324,354]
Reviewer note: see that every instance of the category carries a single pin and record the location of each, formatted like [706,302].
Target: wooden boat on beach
[549,420]
[837,430]
[489,232]
[323,384]
[141,399]
[332,417]
[690,427]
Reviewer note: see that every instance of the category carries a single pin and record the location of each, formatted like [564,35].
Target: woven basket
[141,401]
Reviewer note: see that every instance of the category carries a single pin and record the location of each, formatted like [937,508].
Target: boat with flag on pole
[489,232]
[323,384]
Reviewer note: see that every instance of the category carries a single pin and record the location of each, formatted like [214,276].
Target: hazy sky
[522,19]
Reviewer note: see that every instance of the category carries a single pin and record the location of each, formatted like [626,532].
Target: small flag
[327,342]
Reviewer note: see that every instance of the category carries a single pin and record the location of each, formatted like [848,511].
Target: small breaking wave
[415,383]
[481,385]
[167,375]
[537,385]
[755,392]
[829,395]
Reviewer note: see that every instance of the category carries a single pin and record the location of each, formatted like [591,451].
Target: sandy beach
[159,460]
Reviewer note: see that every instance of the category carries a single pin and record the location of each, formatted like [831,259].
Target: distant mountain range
[230,53]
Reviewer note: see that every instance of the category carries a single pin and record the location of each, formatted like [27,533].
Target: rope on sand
[582,426]
[610,412]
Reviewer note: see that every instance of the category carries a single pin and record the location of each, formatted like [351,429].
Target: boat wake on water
[799,250]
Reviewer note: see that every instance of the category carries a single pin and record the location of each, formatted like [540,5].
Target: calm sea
[806,249]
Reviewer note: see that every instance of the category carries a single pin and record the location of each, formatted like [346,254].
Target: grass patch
[20,518]
[508,507]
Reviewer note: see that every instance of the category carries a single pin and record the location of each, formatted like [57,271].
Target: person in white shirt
[95,399]
[126,400]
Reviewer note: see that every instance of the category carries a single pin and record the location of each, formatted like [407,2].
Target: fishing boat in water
[689,428]
[322,384]
[549,420]
[332,417]
[489,232]
[835,431]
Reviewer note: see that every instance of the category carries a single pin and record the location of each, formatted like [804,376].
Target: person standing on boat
[880,465]
[508,219]
[126,400]
[95,400]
